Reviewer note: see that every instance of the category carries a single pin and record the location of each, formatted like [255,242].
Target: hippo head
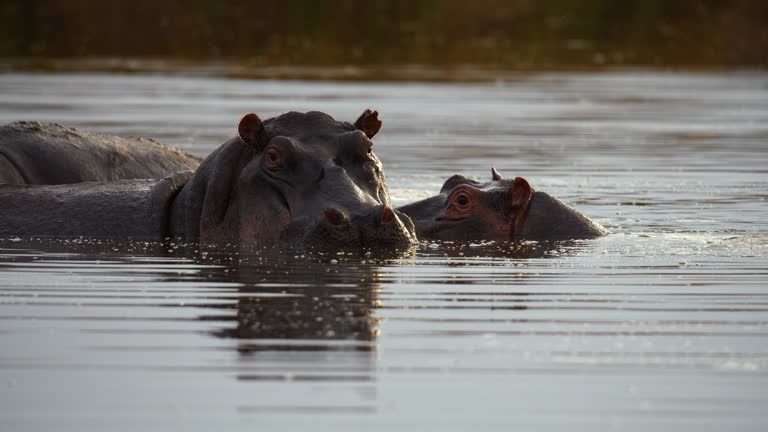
[299,179]
[502,209]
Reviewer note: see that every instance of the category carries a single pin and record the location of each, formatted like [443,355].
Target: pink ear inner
[249,128]
[369,123]
[520,194]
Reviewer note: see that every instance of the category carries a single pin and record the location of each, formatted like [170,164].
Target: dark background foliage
[497,33]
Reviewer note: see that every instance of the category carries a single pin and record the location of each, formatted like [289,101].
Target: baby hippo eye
[459,206]
[462,200]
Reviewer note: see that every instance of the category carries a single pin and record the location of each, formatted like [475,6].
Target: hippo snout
[385,226]
[379,226]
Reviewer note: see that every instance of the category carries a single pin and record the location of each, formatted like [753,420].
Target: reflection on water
[568,332]
[661,324]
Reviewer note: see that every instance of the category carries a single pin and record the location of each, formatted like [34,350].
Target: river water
[661,325]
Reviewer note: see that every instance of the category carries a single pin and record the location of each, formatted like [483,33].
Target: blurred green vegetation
[494,33]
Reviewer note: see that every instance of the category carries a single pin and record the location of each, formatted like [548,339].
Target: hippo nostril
[387,215]
[334,216]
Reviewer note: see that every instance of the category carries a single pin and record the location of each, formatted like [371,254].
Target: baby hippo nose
[334,216]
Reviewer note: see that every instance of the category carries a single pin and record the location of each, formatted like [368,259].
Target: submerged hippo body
[502,209]
[46,153]
[123,208]
[302,179]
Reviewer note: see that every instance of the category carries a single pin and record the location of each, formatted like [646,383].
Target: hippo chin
[47,153]
[502,209]
[300,179]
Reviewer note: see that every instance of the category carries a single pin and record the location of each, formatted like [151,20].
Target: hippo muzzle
[380,227]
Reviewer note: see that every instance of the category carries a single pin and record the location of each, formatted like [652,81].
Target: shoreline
[467,73]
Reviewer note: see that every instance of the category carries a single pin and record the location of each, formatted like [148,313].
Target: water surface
[661,325]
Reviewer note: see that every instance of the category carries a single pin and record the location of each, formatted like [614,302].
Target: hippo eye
[273,159]
[370,159]
[462,200]
[459,206]
[368,155]
[367,148]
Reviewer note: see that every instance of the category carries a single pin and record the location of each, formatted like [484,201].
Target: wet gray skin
[47,153]
[296,179]
[502,209]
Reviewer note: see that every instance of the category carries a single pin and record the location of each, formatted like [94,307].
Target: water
[662,325]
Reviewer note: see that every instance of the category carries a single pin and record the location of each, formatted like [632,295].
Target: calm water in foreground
[662,325]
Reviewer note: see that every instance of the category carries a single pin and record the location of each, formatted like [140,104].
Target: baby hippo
[501,209]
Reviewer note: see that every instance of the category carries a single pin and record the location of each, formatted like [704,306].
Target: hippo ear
[495,174]
[369,123]
[517,197]
[249,128]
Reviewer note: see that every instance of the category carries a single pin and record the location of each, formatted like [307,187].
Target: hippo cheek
[264,225]
[493,227]
[468,229]
[498,232]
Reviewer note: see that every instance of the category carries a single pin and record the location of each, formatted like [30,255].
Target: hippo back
[122,209]
[47,153]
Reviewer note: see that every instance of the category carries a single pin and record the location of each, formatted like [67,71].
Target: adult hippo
[501,209]
[47,153]
[299,178]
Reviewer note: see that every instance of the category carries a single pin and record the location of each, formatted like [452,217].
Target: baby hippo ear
[517,197]
[249,128]
[369,123]
[495,174]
